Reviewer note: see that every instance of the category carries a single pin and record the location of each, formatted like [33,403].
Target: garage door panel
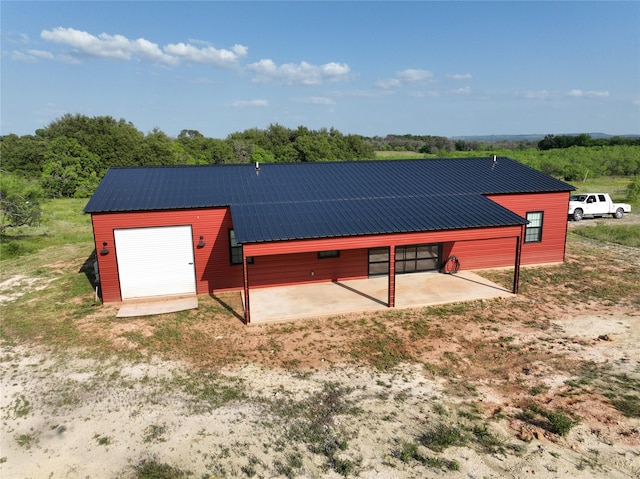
[155,261]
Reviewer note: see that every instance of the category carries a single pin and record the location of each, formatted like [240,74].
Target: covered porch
[283,303]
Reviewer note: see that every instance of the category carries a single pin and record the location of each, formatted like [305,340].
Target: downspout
[245,274]
[391,302]
[516,271]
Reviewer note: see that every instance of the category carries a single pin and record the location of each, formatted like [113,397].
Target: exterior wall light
[104,251]
[201,243]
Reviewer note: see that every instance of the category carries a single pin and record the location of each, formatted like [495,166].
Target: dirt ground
[474,390]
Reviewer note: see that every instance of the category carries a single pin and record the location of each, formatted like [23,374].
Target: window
[533,233]
[414,258]
[334,253]
[235,250]
[378,261]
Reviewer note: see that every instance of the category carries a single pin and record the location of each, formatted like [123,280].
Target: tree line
[69,157]
[551,142]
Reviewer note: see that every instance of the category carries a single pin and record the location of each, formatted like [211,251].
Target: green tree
[23,155]
[70,170]
[261,155]
[20,201]
[633,190]
[205,151]
[158,149]
[115,142]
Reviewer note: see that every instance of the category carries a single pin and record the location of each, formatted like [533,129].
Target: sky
[450,68]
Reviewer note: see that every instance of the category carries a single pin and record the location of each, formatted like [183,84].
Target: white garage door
[155,261]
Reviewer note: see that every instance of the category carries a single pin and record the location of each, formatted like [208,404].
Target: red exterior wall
[307,268]
[372,241]
[481,254]
[289,262]
[212,268]
[554,227]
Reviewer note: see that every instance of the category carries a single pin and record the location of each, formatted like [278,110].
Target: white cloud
[425,94]
[19,56]
[388,83]
[249,103]
[40,54]
[461,91]
[119,47]
[536,94]
[588,94]
[460,76]
[364,93]
[316,100]
[302,73]
[405,77]
[413,75]
[207,55]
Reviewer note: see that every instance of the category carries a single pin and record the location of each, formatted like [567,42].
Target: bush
[633,190]
[155,470]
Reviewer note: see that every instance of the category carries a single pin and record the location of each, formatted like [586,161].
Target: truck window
[602,198]
[591,199]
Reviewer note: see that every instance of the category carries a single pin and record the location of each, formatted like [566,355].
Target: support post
[392,277]
[516,270]
[245,274]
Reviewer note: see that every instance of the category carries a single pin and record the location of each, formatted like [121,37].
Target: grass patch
[20,407]
[26,440]
[410,452]
[628,405]
[153,469]
[588,268]
[102,440]
[155,433]
[622,390]
[290,466]
[384,350]
[441,436]
[312,421]
[627,235]
[556,422]
[209,390]
[399,155]
[62,223]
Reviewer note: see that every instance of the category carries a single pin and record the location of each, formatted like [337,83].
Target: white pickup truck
[596,205]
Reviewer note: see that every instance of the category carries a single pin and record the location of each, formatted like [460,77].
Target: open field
[546,385]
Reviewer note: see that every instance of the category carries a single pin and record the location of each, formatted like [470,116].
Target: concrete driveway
[332,299]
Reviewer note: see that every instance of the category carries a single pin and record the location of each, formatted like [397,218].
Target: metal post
[245,273]
[516,271]
[392,277]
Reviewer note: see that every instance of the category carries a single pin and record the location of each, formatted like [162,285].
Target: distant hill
[530,137]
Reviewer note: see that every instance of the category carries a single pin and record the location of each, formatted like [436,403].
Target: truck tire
[577,214]
[619,213]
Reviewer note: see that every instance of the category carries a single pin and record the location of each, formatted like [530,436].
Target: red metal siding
[554,227]
[372,241]
[212,268]
[490,253]
[307,268]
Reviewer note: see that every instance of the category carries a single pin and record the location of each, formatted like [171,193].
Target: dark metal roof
[284,201]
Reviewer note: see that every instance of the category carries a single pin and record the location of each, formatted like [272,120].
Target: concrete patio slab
[331,299]
[153,306]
